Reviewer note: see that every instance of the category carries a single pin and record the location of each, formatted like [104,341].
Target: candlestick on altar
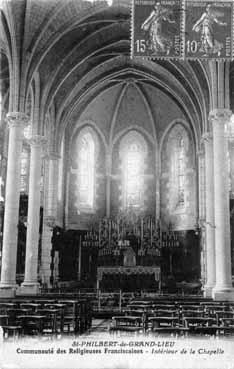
[142,231]
[159,232]
[118,229]
[99,234]
[151,233]
[109,234]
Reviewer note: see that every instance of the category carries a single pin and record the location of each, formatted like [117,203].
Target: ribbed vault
[77,49]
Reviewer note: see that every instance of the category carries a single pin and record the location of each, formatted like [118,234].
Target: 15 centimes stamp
[156,29]
[208,29]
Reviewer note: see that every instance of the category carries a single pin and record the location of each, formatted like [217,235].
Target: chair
[141,302]
[49,320]
[12,331]
[4,320]
[32,306]
[31,324]
[135,312]
[165,312]
[227,326]
[145,307]
[165,325]
[14,313]
[8,305]
[3,310]
[128,323]
[223,314]
[60,315]
[184,307]
[211,310]
[200,325]
[192,313]
[164,306]
[71,318]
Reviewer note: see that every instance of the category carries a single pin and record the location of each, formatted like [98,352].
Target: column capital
[37,141]
[200,153]
[16,118]
[220,115]
[207,137]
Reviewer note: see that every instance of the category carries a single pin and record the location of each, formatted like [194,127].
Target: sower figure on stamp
[158,42]
[205,26]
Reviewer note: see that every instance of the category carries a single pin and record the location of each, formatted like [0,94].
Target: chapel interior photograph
[116,179]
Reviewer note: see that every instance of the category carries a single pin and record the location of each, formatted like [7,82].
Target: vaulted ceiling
[70,51]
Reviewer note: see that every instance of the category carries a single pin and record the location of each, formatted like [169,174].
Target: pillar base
[28,288]
[45,276]
[223,294]
[7,290]
[208,291]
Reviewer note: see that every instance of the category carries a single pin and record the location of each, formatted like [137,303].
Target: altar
[124,273]
[128,255]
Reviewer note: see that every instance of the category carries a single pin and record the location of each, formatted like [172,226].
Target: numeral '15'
[140,46]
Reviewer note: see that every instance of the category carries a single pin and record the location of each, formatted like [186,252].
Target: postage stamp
[208,29]
[156,29]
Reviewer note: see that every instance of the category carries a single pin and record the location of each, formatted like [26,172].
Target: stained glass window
[1,181]
[60,174]
[181,170]
[177,148]
[133,174]
[86,170]
[133,151]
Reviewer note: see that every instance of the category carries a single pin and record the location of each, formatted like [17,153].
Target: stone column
[201,184]
[30,285]
[223,288]
[231,155]
[50,213]
[1,227]
[52,188]
[209,218]
[47,234]
[17,122]
[201,210]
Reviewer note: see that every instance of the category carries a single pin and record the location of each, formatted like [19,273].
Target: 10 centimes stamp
[156,29]
[208,29]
